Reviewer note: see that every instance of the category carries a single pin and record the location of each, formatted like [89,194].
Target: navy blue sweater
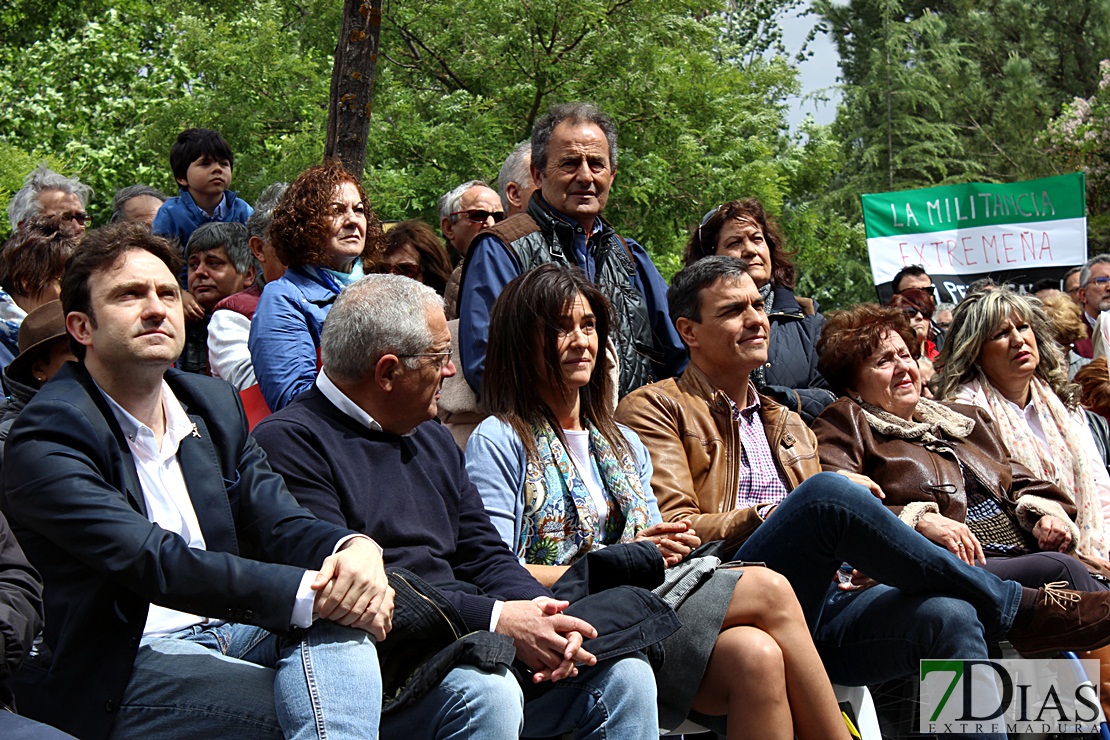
[411,494]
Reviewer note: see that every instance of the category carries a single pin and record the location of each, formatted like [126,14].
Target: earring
[859,399]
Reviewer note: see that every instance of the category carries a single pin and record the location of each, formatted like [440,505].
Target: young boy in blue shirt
[201,160]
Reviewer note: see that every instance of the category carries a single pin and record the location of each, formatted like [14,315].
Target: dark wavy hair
[523,354]
[703,239]
[434,262]
[301,225]
[852,335]
[36,255]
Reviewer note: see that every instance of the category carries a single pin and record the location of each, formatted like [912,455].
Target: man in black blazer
[186,592]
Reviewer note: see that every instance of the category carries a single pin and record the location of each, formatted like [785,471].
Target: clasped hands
[353,590]
[547,641]
[674,540]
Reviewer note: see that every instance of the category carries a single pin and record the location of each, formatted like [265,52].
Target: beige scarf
[1064,463]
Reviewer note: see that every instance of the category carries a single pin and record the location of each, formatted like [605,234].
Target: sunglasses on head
[479,216]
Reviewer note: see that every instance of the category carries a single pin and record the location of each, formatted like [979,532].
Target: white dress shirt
[169,506]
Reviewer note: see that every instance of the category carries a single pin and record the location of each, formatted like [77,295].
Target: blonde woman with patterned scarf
[560,478]
[1000,356]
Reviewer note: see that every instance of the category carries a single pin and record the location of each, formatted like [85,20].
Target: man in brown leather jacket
[764,494]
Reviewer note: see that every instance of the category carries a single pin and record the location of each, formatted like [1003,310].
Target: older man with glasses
[464,212]
[48,194]
[1094,297]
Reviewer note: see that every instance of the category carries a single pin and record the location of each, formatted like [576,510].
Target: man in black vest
[574,160]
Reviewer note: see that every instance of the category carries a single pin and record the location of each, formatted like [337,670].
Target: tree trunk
[352,84]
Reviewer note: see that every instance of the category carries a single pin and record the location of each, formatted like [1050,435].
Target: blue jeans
[930,603]
[612,700]
[238,680]
[14,727]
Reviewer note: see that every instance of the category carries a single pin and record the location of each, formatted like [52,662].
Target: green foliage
[697,89]
[938,93]
[1079,139]
[459,88]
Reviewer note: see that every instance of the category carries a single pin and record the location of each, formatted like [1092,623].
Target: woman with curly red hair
[324,232]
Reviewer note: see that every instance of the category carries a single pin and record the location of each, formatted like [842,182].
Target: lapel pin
[196,432]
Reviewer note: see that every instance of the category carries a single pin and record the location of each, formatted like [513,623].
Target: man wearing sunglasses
[574,161]
[1094,284]
[914,276]
[49,194]
[465,211]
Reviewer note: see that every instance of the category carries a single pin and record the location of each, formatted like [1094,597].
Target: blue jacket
[285,335]
[74,500]
[490,267]
[179,217]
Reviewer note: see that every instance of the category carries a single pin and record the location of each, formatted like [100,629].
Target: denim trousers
[14,727]
[612,700]
[929,603]
[235,680]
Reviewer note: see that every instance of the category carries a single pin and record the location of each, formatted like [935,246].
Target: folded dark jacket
[427,640]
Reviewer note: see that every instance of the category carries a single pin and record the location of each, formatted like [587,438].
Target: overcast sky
[817,75]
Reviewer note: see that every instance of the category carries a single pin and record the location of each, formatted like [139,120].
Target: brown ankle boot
[1102,680]
[1063,619]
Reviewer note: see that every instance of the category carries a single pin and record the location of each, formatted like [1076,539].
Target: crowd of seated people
[238,512]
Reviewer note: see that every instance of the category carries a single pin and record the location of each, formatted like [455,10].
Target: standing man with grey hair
[514,182]
[574,161]
[229,329]
[1094,297]
[49,194]
[464,212]
[138,203]
[219,264]
[369,418]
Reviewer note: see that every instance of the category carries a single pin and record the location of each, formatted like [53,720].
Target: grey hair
[132,191]
[376,316]
[684,295]
[25,202]
[515,170]
[449,202]
[976,319]
[574,113]
[944,307]
[230,235]
[1085,273]
[259,222]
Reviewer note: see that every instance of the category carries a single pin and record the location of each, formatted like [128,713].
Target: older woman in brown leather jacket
[942,467]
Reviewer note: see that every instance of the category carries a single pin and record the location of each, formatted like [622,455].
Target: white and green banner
[1013,232]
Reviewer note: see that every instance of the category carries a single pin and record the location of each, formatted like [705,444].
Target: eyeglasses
[479,216]
[443,359]
[405,269]
[1102,281]
[79,216]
